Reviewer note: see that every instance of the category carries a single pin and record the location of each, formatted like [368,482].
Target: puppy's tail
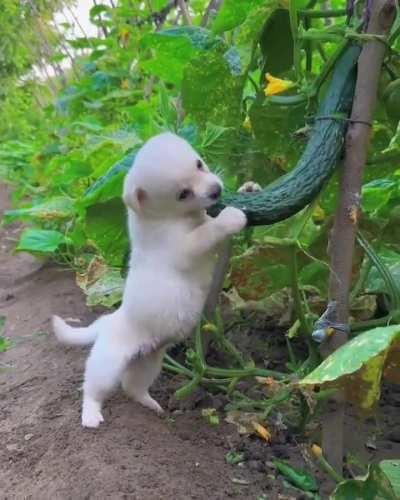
[74,336]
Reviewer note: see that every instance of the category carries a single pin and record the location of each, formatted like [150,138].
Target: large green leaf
[250,30]
[233,13]
[315,274]
[391,468]
[170,61]
[96,12]
[159,4]
[374,486]
[261,271]
[174,47]
[124,140]
[106,291]
[375,282]
[52,209]
[200,38]
[210,92]
[360,365]
[274,128]
[376,194]
[105,227]
[109,185]
[103,285]
[40,241]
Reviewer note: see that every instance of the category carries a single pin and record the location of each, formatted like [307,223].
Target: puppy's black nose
[216,192]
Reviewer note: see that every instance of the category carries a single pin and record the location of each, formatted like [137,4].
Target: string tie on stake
[327,325]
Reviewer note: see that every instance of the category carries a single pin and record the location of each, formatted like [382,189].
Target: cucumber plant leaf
[261,271]
[359,366]
[106,291]
[102,284]
[105,228]
[212,95]
[375,282]
[200,38]
[172,49]
[233,13]
[52,209]
[391,468]
[375,485]
[42,241]
[108,186]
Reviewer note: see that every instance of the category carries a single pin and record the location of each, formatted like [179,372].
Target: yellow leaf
[262,431]
[316,451]
[276,85]
[371,380]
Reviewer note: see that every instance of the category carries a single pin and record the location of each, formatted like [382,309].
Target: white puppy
[174,245]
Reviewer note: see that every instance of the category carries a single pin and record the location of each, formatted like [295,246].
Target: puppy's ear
[135,199]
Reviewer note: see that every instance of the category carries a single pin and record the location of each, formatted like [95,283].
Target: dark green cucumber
[292,192]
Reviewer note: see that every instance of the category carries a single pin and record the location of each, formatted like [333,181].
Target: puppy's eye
[199,165]
[185,194]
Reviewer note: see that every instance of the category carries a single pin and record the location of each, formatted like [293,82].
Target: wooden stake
[349,209]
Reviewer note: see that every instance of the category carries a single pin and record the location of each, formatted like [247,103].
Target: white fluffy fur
[174,244]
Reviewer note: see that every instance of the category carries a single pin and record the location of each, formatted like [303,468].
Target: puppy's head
[169,178]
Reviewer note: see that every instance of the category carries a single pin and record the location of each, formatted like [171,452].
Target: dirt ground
[46,454]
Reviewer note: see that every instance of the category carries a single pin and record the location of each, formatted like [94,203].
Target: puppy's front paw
[250,187]
[232,219]
[92,420]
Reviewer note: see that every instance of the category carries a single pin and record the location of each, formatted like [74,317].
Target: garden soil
[46,454]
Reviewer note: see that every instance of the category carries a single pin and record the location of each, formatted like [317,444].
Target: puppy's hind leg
[138,377]
[104,368]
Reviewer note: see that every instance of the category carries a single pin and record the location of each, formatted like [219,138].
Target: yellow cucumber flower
[276,85]
[247,124]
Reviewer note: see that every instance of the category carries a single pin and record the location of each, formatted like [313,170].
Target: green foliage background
[68,140]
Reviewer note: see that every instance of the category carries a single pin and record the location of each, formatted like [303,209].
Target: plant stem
[358,326]
[321,51]
[328,469]
[308,45]
[185,12]
[246,372]
[217,283]
[379,158]
[295,34]
[212,7]
[313,14]
[358,287]
[296,296]
[199,346]
[383,271]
